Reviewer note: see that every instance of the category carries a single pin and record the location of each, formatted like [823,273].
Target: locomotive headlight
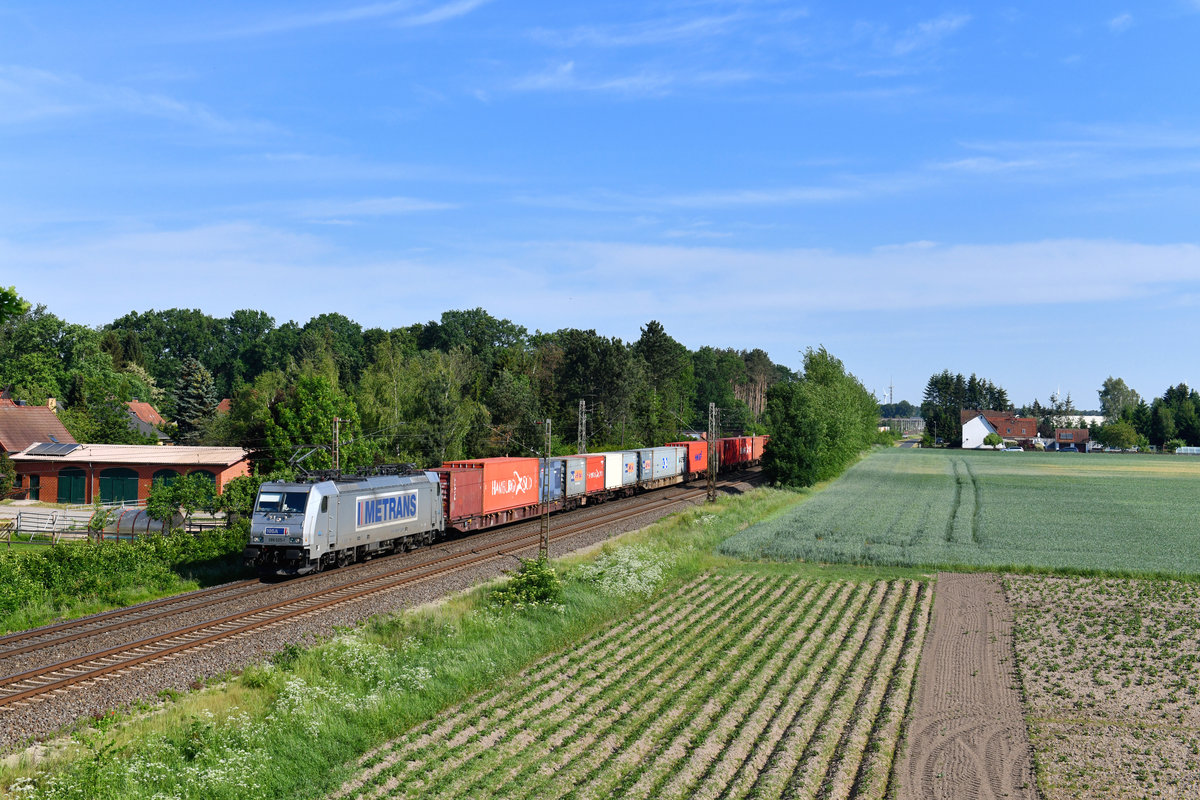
[294,539]
[257,539]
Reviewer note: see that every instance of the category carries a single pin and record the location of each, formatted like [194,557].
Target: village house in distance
[976,425]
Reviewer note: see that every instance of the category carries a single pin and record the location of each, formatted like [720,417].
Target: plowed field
[734,686]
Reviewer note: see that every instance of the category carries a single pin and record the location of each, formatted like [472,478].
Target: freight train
[299,527]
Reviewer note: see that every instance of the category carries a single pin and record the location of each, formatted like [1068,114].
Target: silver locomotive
[303,527]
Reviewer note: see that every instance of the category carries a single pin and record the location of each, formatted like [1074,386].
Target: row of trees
[466,384]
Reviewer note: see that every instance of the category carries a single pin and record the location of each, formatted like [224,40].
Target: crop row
[733,687]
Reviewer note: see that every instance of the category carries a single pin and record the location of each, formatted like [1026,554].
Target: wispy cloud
[404,13]
[638,34]
[28,95]
[1120,23]
[441,13]
[988,165]
[652,82]
[929,33]
[564,77]
[367,207]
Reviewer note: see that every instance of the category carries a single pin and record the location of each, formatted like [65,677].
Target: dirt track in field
[967,739]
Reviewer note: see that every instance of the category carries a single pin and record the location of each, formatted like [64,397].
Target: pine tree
[195,401]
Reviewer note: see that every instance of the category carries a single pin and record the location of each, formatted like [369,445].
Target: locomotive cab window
[284,502]
[324,504]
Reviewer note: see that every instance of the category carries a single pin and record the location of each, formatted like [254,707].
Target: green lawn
[1125,514]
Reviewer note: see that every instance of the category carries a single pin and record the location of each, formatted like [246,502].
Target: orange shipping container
[697,455]
[507,482]
[757,443]
[595,474]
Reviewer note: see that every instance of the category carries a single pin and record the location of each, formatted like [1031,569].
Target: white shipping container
[612,470]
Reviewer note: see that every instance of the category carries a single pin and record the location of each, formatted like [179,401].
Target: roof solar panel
[51,449]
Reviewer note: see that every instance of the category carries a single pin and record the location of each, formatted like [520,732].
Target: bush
[534,583]
[1173,445]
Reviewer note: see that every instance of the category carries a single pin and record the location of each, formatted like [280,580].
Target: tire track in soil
[967,739]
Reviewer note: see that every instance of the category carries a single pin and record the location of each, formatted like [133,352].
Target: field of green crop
[1127,514]
[736,686]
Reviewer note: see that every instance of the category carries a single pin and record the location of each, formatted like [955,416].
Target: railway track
[36,684]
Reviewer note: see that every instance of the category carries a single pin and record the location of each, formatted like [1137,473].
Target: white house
[974,431]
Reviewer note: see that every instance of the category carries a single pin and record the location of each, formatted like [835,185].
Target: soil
[967,736]
[1110,668]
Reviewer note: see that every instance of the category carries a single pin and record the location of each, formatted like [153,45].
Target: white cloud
[1120,23]
[369,207]
[222,267]
[563,77]
[652,32]
[988,165]
[441,13]
[405,13]
[929,33]
[30,95]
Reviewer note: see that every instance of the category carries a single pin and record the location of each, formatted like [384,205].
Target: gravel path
[22,725]
[967,739]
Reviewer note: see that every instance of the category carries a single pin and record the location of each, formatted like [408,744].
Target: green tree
[1162,423]
[11,304]
[1120,434]
[993,440]
[942,406]
[303,418]
[819,423]
[195,401]
[1115,398]
[667,366]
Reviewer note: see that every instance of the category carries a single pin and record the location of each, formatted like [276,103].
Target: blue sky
[1009,190]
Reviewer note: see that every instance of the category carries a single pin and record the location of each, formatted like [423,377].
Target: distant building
[1076,436]
[903,424]
[118,474]
[145,419]
[978,424]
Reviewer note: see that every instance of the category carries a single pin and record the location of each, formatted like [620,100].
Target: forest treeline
[467,384]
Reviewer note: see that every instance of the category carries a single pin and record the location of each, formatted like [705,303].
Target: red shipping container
[729,452]
[595,473]
[462,492]
[697,455]
[506,483]
[756,444]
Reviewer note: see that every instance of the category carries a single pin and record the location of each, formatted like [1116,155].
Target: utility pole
[713,456]
[544,547]
[582,427]
[337,452]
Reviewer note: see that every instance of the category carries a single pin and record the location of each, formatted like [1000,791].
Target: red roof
[21,426]
[146,413]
